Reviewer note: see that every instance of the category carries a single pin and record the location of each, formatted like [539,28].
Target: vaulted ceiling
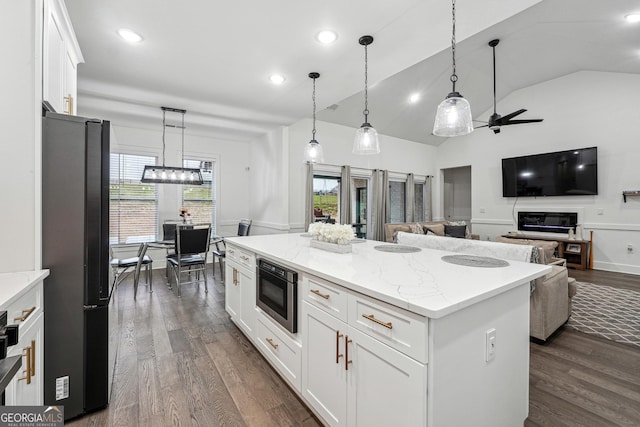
[214,58]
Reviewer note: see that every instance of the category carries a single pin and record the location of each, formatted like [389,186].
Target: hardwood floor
[183,362]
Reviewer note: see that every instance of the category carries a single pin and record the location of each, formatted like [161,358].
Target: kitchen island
[390,338]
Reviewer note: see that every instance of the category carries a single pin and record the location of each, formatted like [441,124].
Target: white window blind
[200,200]
[133,209]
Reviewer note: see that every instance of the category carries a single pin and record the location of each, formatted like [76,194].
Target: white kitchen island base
[396,339]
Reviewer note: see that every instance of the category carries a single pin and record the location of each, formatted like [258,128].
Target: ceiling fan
[496,120]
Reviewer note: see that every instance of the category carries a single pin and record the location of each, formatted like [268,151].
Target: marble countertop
[419,282]
[14,285]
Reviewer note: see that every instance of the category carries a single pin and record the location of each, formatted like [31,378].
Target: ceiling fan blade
[516,122]
[483,126]
[512,115]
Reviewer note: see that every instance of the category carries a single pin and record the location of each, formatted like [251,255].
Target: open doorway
[456,194]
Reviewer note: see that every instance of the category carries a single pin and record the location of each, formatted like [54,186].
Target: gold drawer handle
[320,294]
[246,258]
[270,341]
[25,314]
[69,101]
[338,355]
[387,325]
[347,362]
[27,377]
[33,358]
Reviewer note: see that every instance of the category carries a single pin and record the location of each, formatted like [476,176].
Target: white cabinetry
[352,378]
[26,311]
[240,285]
[61,55]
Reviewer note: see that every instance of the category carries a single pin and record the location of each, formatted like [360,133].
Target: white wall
[396,155]
[269,183]
[20,162]
[583,109]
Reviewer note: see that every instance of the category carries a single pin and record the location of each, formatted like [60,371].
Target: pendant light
[169,174]
[454,113]
[313,152]
[366,140]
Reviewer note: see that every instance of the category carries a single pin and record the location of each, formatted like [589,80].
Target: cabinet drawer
[241,257]
[326,296]
[284,353]
[400,329]
[26,309]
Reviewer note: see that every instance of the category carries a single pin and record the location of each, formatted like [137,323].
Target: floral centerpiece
[331,237]
[186,216]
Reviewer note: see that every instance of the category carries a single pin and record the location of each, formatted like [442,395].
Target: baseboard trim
[618,268]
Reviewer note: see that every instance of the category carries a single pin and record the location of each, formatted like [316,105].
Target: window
[418,207]
[397,201]
[133,206]
[326,198]
[200,200]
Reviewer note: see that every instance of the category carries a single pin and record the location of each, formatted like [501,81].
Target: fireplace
[549,222]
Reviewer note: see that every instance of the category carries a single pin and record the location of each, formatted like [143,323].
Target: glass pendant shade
[313,152]
[366,140]
[453,117]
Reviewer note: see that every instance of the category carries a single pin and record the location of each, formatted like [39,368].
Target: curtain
[428,199]
[308,198]
[379,204]
[345,195]
[410,191]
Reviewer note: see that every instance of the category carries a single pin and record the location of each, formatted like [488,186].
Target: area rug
[608,312]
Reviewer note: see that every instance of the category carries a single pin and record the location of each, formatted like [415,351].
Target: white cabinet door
[27,386]
[385,387]
[247,301]
[53,63]
[323,370]
[232,291]
[71,83]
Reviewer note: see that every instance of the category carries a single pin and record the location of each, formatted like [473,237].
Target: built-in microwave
[277,293]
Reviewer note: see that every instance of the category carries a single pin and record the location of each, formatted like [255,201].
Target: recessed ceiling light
[129,35]
[415,97]
[633,17]
[326,36]
[276,79]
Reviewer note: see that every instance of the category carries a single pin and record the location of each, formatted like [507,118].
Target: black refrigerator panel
[75,249]
[63,252]
[97,289]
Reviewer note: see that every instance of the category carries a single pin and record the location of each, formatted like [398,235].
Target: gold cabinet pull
[235,277]
[69,102]
[338,355]
[33,358]
[320,294]
[27,372]
[25,314]
[387,325]
[347,362]
[244,257]
[274,345]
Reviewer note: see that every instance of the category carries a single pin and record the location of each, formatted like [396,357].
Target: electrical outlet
[600,211]
[490,345]
[630,248]
[482,210]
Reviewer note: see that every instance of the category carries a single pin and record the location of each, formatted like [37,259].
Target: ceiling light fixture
[366,140]
[276,79]
[169,174]
[326,36]
[313,152]
[453,117]
[633,17]
[129,35]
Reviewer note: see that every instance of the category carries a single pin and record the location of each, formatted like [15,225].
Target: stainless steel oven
[277,293]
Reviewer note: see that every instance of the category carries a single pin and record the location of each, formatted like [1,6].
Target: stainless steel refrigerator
[78,357]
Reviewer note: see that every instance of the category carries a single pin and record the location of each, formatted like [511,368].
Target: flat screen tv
[562,173]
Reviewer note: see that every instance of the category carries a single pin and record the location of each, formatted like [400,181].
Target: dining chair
[123,267]
[192,247]
[220,252]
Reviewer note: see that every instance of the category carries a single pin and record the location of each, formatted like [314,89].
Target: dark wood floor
[182,362]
